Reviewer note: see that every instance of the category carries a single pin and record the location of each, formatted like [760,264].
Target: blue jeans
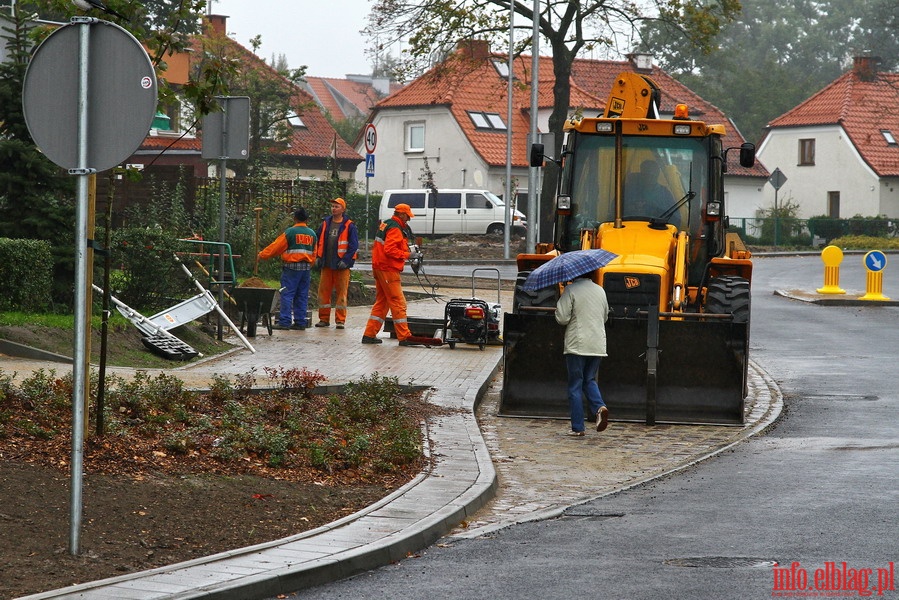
[582,372]
[294,296]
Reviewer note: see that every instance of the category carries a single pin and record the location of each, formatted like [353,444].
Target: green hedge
[830,228]
[26,275]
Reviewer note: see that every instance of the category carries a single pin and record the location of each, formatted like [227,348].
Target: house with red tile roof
[349,98]
[838,149]
[311,148]
[452,122]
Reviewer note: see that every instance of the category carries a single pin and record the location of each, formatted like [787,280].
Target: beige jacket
[584,310]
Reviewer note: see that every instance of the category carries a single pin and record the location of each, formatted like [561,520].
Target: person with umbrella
[583,309]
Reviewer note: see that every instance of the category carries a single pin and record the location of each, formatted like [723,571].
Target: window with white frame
[485,120]
[415,137]
[501,66]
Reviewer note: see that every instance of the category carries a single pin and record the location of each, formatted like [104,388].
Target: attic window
[483,120]
[888,136]
[502,67]
[295,120]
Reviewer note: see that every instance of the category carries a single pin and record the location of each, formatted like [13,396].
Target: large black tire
[545,297]
[729,295]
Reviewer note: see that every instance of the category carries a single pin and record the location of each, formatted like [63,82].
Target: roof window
[485,120]
[888,136]
[501,66]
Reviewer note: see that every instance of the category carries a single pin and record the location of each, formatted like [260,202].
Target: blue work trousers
[294,296]
[582,372]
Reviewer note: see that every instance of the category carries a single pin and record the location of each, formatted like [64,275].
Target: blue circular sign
[875,260]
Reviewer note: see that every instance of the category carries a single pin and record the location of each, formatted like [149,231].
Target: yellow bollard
[832,257]
[875,261]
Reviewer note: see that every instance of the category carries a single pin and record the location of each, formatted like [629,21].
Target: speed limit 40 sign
[371,138]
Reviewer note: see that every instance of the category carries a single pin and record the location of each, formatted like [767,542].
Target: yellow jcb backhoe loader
[651,190]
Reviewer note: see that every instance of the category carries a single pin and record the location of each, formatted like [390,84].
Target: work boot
[371,340]
[279,326]
[340,326]
[322,324]
[298,327]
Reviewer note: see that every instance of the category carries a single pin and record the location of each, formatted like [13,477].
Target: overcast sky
[321,34]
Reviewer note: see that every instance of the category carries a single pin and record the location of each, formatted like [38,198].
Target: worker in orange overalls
[338,243]
[388,257]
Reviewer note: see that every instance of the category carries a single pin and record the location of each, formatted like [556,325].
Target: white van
[452,211]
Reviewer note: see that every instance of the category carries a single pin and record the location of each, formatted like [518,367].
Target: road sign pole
[775,218]
[86,120]
[78,364]
[367,214]
[370,139]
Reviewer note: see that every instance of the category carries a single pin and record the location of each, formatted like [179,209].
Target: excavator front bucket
[658,370]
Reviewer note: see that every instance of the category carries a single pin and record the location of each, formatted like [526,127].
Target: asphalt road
[818,490]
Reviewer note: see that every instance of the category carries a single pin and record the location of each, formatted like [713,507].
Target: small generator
[471,320]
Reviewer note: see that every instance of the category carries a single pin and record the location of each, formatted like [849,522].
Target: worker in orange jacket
[388,257]
[296,247]
[338,244]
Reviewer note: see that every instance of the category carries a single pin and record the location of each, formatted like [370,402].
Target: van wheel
[495,229]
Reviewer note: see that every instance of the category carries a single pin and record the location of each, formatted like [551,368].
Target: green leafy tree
[433,27]
[777,54]
[37,197]
[272,89]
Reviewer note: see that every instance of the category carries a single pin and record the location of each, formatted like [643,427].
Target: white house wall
[450,156]
[838,168]
[744,196]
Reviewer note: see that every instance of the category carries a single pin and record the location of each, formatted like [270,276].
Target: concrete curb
[766,410]
[851,298]
[23,351]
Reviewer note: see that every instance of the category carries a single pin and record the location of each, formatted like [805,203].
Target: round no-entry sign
[371,138]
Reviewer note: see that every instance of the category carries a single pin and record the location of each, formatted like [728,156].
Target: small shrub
[26,275]
[859,242]
[372,428]
[302,379]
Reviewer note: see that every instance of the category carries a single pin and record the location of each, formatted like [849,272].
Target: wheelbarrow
[253,302]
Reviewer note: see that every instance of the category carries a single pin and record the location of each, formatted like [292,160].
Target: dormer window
[485,120]
[888,136]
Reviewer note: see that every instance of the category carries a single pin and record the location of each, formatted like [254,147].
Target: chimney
[865,66]
[474,49]
[217,24]
[641,61]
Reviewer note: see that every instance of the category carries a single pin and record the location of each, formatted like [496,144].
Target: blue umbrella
[566,267]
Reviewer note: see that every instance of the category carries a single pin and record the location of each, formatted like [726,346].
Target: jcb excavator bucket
[657,371]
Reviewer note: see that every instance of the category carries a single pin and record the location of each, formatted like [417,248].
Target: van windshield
[495,199]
